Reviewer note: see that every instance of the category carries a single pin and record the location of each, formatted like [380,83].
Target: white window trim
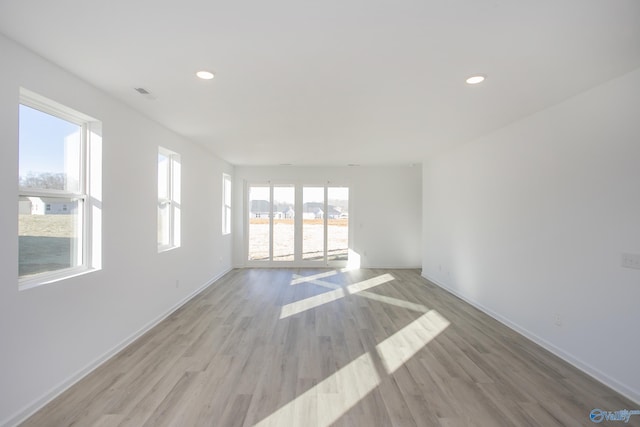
[89,231]
[173,180]
[226,208]
[298,262]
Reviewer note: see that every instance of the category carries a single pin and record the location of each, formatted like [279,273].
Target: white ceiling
[333,82]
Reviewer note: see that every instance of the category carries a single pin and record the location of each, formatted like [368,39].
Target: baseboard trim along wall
[34,407]
[595,373]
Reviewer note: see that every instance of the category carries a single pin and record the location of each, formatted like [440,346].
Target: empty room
[342,213]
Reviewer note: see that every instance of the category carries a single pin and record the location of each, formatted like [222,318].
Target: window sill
[48,278]
[162,249]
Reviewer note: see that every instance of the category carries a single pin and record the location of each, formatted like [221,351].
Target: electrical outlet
[631,261]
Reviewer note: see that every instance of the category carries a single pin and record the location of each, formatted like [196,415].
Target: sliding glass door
[284,202]
[259,223]
[297,225]
[313,236]
[338,224]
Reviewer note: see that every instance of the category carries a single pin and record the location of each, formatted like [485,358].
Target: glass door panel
[337,223]
[283,223]
[313,223]
[259,223]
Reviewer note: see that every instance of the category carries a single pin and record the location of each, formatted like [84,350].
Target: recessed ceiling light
[474,80]
[205,75]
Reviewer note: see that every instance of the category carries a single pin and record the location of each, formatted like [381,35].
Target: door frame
[298,262]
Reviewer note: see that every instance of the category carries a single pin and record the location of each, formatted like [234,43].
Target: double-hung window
[168,199]
[226,204]
[55,198]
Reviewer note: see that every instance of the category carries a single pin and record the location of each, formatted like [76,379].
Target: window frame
[85,232]
[172,199]
[298,261]
[226,204]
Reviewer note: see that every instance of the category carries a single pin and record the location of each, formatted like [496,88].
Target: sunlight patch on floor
[335,395]
[404,344]
[394,301]
[336,293]
[324,284]
[304,279]
[369,283]
[311,302]
[354,382]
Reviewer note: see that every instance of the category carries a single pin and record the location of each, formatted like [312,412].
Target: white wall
[385,208]
[51,334]
[530,222]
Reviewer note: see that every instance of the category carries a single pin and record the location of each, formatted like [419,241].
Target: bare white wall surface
[530,224]
[53,334]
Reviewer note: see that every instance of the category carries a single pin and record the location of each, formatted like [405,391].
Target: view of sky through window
[46,144]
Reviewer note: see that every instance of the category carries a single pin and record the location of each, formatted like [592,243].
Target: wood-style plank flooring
[290,347]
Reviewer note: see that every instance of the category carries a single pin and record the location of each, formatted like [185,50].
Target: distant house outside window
[58,148]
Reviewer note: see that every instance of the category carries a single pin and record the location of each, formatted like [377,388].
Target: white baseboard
[623,389]
[33,407]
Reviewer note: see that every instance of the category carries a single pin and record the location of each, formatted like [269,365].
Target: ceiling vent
[142,91]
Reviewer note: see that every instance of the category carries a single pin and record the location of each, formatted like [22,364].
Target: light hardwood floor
[268,347]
